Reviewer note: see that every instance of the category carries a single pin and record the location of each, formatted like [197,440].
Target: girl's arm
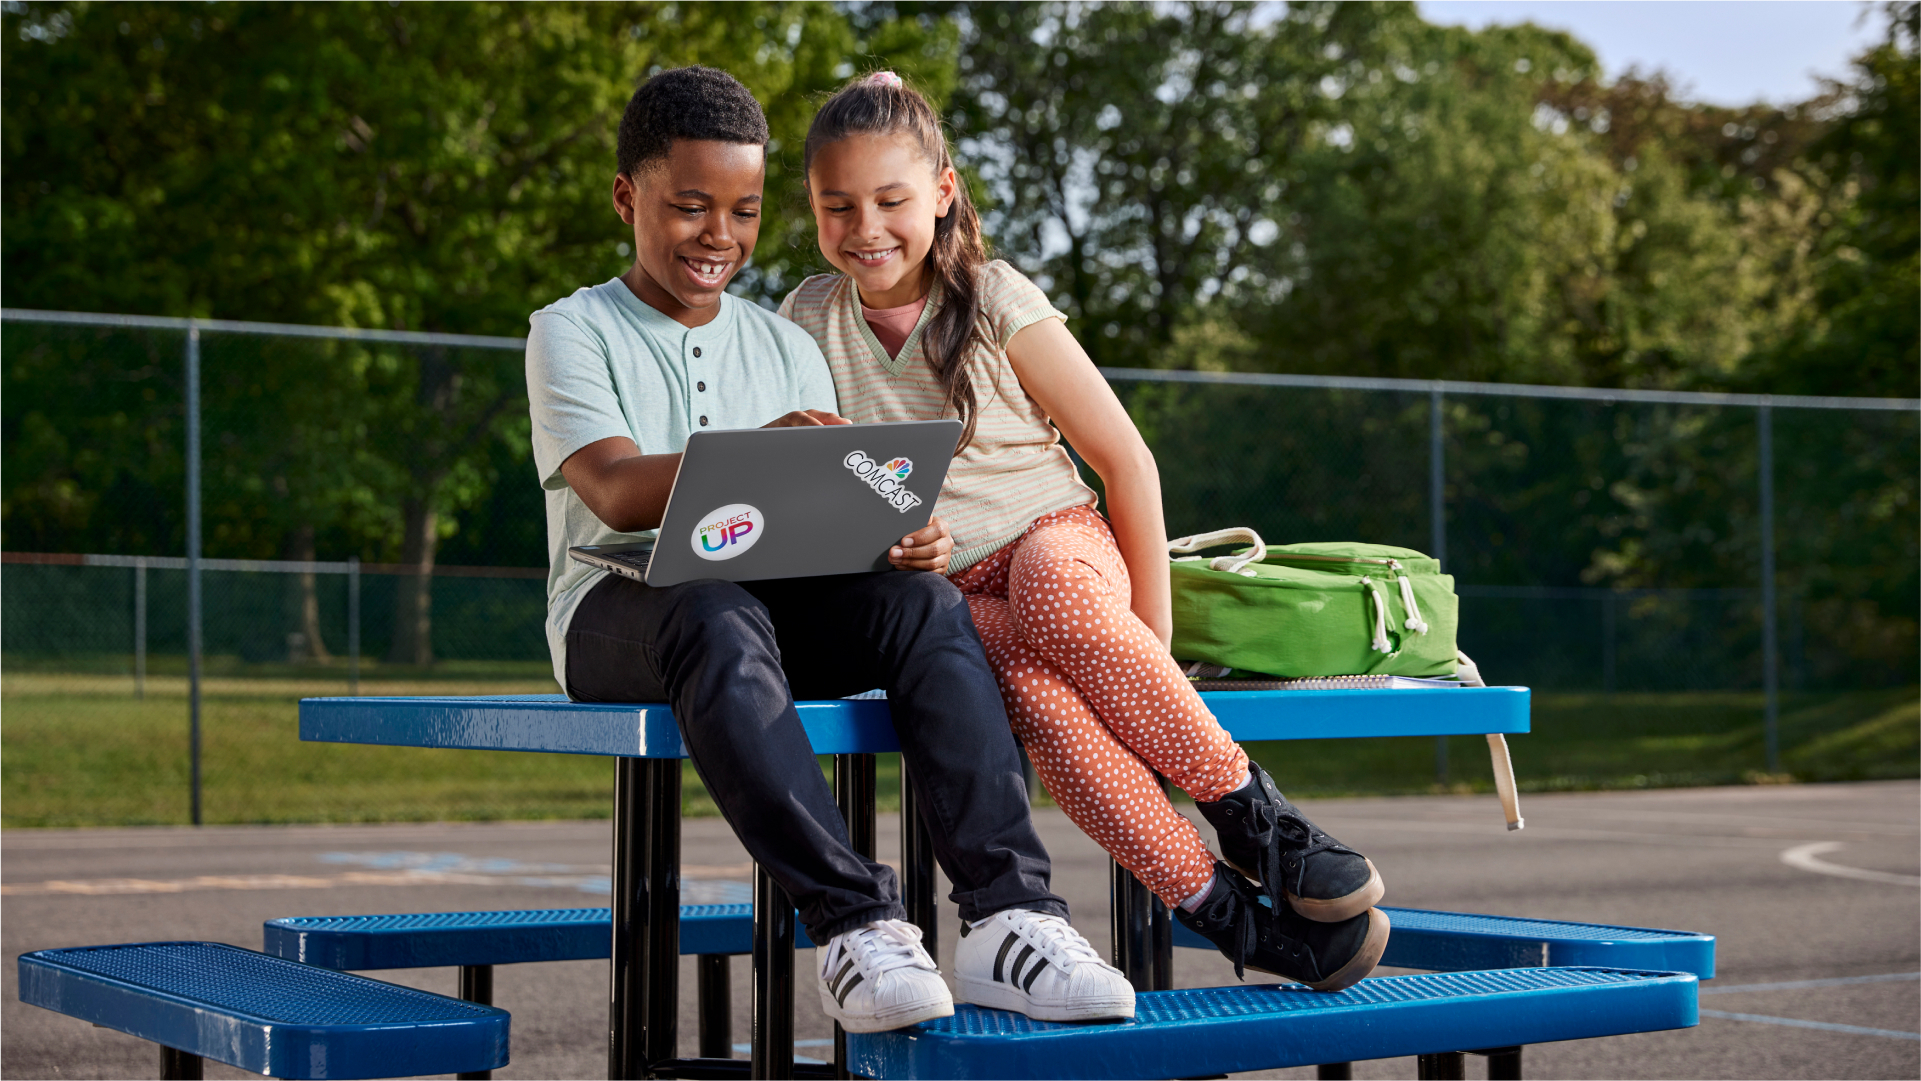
[1058,373]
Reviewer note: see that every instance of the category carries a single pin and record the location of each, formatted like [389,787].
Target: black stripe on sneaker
[1014,974]
[1001,957]
[1033,974]
[834,983]
[841,999]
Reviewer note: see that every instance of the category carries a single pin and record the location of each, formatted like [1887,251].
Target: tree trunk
[414,603]
[304,644]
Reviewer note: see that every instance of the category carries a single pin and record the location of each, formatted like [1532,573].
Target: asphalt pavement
[1813,890]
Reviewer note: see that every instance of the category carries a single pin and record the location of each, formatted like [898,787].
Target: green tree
[440,167]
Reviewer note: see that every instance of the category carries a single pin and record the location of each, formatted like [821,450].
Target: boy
[619,374]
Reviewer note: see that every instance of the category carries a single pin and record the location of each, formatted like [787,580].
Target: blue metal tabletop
[1202,1032]
[515,936]
[264,1014]
[549,722]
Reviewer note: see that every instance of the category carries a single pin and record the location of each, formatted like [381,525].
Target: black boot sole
[1363,962]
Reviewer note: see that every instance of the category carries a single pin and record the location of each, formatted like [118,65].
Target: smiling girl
[1073,607]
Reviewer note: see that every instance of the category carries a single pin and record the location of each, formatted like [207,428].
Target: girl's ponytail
[881,104]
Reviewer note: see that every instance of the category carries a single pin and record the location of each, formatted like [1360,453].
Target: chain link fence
[1605,544]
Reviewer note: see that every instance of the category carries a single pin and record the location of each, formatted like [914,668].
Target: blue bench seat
[262,1013]
[1221,1030]
[1430,941]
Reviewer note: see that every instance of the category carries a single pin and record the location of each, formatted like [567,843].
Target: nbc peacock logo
[887,479]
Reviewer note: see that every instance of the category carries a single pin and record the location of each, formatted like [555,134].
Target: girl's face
[875,201]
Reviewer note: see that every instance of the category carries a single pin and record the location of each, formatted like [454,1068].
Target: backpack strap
[1235,535]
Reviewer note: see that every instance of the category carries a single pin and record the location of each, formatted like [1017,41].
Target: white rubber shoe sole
[886,1020]
[1000,996]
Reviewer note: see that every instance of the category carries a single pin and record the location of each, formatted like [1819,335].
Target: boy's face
[696,216]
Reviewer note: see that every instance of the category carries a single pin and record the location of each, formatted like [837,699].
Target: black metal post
[1163,945]
[662,971]
[854,777]
[773,1038]
[1445,1066]
[1503,1063]
[1770,637]
[713,987]
[1132,908]
[1335,1071]
[177,1065]
[477,985]
[627,996]
[918,894]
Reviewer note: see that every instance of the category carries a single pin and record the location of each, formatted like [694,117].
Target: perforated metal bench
[1220,1030]
[208,1000]
[474,942]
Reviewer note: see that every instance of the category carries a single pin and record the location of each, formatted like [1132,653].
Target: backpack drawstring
[1380,642]
[1414,621]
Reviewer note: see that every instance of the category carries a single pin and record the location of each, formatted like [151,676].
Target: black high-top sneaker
[1324,956]
[1269,840]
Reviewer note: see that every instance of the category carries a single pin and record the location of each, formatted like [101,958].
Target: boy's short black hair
[686,103]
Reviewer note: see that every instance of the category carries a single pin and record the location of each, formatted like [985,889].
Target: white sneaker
[1037,964]
[877,977]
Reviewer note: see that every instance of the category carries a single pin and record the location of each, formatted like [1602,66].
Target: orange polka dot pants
[1097,701]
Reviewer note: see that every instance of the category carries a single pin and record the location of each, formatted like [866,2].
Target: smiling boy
[618,376]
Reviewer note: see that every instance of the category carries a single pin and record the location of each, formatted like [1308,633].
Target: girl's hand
[924,550]
[807,418]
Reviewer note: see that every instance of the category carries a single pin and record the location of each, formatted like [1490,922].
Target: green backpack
[1303,610]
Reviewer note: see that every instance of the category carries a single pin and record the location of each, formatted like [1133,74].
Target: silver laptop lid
[760,503]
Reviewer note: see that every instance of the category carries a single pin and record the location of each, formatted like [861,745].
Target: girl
[1074,612]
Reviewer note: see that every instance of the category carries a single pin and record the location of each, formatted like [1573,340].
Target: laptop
[757,503]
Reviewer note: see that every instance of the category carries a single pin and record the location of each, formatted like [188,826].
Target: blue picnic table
[644,739]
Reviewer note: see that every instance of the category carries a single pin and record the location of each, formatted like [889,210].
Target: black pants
[730,658]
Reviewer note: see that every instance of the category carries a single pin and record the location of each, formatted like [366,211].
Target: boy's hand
[806,418]
[925,550]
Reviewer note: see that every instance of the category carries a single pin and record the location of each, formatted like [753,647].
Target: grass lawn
[80,750]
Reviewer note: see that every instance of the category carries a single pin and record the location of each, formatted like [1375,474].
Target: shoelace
[1054,939]
[886,945]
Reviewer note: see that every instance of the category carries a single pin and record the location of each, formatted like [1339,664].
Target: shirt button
[703,422]
[700,386]
[696,350]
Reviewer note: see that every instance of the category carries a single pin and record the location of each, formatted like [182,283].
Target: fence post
[193,558]
[1437,521]
[1608,616]
[1770,658]
[353,626]
[139,627]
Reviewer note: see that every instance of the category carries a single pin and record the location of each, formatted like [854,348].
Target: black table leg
[1335,1071]
[1133,910]
[1445,1066]
[918,895]
[1503,1063]
[645,995]
[177,1065]
[773,1038]
[854,776]
[713,987]
[477,985]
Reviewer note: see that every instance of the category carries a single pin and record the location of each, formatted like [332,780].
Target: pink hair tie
[885,78]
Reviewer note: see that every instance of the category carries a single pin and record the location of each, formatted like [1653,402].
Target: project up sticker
[728,531]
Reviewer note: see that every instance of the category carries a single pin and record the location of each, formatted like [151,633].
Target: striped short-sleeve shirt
[1016,469]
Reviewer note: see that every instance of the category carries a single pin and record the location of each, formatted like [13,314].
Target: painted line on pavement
[1808,858]
[1798,985]
[1824,1026]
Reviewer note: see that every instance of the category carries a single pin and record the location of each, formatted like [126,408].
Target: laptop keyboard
[636,560]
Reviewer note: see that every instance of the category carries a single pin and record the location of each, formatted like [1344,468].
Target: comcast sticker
[728,531]
[888,479]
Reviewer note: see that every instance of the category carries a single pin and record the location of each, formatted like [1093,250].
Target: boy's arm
[628,490]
